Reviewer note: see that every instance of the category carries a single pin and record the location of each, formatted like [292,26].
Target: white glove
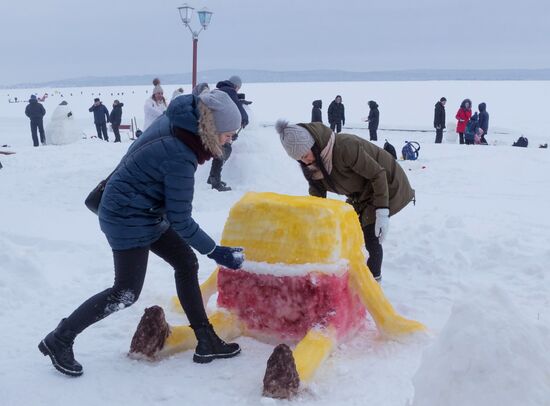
[382,224]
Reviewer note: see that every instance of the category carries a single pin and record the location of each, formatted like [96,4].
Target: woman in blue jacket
[146,206]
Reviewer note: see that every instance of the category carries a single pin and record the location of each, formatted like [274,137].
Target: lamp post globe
[186,13]
[205,16]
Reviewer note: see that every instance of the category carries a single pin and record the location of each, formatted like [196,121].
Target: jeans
[37,126]
[102,128]
[336,126]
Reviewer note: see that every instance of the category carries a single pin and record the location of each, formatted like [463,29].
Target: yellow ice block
[312,351]
[277,228]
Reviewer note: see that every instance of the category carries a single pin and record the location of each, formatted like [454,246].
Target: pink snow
[287,307]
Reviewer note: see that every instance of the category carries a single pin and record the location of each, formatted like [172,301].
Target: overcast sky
[57,39]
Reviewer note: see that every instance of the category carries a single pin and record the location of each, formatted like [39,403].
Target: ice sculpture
[304,282]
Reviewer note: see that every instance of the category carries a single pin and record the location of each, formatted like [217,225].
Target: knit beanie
[296,140]
[33,97]
[236,81]
[227,116]
[158,89]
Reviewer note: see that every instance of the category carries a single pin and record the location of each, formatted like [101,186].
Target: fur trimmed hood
[207,131]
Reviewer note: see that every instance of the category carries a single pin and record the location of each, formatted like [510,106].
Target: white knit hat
[296,140]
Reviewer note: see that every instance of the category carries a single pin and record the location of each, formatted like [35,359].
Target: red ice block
[287,307]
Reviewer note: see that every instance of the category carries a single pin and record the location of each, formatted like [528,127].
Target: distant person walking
[116,117]
[463,116]
[374,120]
[483,122]
[36,112]
[336,114]
[230,87]
[439,119]
[155,106]
[101,118]
[316,114]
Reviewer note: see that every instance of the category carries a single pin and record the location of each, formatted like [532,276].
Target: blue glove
[229,257]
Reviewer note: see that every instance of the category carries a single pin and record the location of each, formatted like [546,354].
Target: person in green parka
[371,179]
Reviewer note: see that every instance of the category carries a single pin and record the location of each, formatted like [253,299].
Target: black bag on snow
[390,148]
[521,142]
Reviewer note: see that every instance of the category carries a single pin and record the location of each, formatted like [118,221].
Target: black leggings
[130,268]
[374,248]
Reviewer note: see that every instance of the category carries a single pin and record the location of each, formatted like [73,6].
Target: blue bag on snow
[410,150]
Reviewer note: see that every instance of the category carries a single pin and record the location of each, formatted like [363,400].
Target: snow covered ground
[469,260]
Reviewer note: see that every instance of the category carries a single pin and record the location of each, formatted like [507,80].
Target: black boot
[210,346]
[209,181]
[218,184]
[58,345]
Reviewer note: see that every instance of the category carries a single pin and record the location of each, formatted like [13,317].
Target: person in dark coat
[115,118]
[471,130]
[316,114]
[439,119]
[483,122]
[36,112]
[373,119]
[231,87]
[146,207]
[101,118]
[336,114]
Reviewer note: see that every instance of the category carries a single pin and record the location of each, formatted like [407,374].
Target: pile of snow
[487,354]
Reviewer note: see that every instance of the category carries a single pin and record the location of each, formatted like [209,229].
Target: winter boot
[58,345]
[218,184]
[210,346]
[209,181]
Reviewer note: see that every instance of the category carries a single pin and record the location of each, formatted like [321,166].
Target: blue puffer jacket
[152,187]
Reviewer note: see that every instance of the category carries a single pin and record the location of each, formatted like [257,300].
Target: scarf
[194,143]
[326,157]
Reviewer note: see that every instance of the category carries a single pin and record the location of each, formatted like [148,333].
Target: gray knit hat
[236,81]
[296,140]
[227,116]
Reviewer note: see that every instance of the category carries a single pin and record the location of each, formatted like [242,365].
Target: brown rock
[151,333]
[281,380]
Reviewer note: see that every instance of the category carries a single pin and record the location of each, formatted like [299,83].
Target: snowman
[62,128]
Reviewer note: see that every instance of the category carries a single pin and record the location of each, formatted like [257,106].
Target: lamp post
[186,12]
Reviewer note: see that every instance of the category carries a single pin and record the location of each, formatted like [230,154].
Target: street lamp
[186,12]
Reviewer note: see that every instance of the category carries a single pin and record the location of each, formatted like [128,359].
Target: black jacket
[336,113]
[116,114]
[229,88]
[34,110]
[483,118]
[101,114]
[439,115]
[316,115]
[374,115]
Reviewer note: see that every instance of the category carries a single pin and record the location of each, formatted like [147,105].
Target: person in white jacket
[154,105]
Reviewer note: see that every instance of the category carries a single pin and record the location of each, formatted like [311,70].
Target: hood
[317,103]
[118,106]
[439,104]
[320,133]
[373,104]
[463,104]
[474,117]
[225,83]
[482,107]
[33,100]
